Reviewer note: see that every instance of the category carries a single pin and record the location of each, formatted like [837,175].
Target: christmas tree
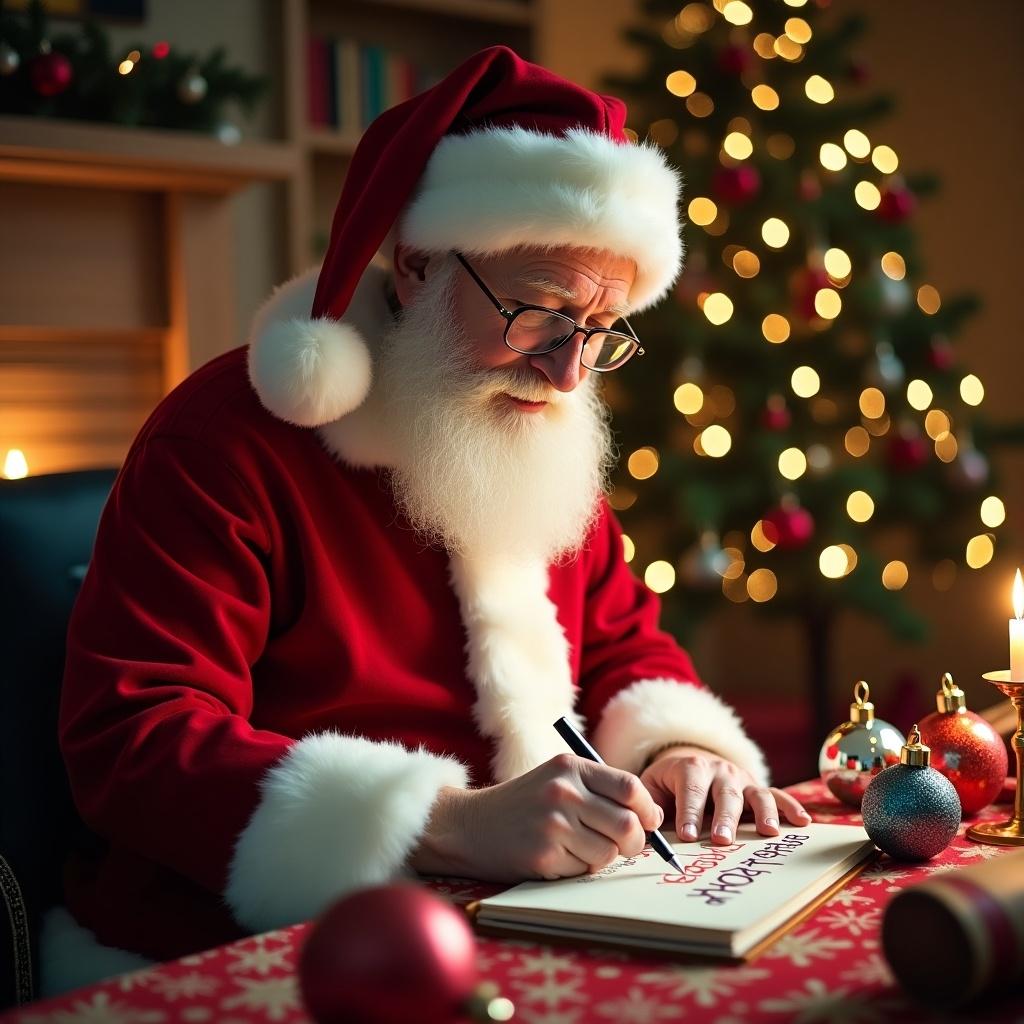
[801,433]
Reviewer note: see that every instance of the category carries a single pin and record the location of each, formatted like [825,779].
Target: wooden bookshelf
[116,276]
[438,34]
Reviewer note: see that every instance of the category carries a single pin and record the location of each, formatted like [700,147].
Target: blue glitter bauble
[911,812]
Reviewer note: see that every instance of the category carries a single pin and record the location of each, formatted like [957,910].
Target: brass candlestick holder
[1010,832]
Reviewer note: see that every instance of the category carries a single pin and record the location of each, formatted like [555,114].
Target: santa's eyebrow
[546,285]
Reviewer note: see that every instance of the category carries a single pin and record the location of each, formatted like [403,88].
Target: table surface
[829,968]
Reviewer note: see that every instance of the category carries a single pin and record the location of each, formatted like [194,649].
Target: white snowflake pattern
[99,1010]
[817,1003]
[529,1016]
[872,971]
[196,1014]
[184,986]
[851,920]
[706,985]
[638,1008]
[848,897]
[545,962]
[276,997]
[258,959]
[801,947]
[981,851]
[549,991]
[136,979]
[195,959]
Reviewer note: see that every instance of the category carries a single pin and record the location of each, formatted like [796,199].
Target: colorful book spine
[317,102]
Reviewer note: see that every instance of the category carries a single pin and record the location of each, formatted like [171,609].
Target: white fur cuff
[337,813]
[655,712]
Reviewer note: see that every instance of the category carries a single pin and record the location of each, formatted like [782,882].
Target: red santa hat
[500,154]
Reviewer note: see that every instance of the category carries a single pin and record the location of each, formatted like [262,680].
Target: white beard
[475,475]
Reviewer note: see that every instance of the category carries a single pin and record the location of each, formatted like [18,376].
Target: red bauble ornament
[806,285]
[965,748]
[906,452]
[390,953]
[789,526]
[810,186]
[776,416]
[859,72]
[736,185]
[734,60]
[897,204]
[941,354]
[50,73]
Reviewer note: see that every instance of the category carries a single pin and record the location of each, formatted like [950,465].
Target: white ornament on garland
[10,59]
[192,88]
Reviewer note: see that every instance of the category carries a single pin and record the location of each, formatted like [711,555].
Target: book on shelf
[350,83]
[729,902]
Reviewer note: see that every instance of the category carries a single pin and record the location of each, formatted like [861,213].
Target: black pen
[580,746]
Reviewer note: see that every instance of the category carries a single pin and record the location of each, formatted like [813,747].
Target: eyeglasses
[536,330]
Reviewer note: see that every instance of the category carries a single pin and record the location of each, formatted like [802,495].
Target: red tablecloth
[828,969]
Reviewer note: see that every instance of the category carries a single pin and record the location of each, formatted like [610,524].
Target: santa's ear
[307,372]
[410,272]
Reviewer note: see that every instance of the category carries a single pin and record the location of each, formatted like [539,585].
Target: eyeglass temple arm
[487,291]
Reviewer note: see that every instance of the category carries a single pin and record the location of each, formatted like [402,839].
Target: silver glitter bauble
[856,751]
[192,88]
[910,810]
[10,59]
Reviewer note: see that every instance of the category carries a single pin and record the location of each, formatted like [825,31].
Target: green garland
[75,75]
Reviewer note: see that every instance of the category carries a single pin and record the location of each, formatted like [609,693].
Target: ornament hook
[858,696]
[948,686]
[914,739]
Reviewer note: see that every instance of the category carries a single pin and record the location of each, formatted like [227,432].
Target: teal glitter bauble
[911,812]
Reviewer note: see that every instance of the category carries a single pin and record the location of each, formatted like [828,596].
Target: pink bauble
[969,752]
[896,205]
[906,452]
[736,185]
[806,286]
[734,60]
[50,73]
[385,954]
[789,526]
[776,416]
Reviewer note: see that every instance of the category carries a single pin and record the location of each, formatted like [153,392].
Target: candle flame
[1018,596]
[16,467]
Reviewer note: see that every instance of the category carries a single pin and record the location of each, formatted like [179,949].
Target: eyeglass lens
[535,331]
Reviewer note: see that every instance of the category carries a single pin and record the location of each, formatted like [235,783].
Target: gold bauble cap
[862,710]
[950,697]
[914,752]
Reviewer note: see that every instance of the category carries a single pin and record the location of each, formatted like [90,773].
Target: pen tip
[679,867]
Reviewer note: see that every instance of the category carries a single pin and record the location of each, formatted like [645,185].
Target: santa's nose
[562,367]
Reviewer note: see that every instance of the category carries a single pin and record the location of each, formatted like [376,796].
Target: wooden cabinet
[116,277]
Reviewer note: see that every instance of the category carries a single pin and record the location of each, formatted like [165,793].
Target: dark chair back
[47,528]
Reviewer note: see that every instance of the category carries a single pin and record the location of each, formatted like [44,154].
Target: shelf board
[498,12]
[331,141]
[45,333]
[82,153]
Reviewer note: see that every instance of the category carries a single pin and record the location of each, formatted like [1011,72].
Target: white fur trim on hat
[495,189]
[306,372]
[336,813]
[655,712]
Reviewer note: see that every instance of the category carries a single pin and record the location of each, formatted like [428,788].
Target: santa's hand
[567,817]
[681,779]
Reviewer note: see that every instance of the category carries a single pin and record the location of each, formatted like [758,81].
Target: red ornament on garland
[965,748]
[734,60]
[906,452]
[807,284]
[810,185]
[736,185]
[50,73]
[940,354]
[789,526]
[859,72]
[776,416]
[389,953]
[896,205]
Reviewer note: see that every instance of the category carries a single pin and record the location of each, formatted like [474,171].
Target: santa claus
[351,574]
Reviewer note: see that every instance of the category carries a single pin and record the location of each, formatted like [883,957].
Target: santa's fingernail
[659,816]
[772,822]
[724,832]
[689,831]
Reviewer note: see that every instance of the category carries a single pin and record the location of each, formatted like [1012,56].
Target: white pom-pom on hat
[306,372]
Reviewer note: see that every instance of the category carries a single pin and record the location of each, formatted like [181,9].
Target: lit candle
[1017,632]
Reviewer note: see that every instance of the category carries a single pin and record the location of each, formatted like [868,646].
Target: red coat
[255,626]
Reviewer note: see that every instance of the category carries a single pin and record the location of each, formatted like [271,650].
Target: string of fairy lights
[707,409]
